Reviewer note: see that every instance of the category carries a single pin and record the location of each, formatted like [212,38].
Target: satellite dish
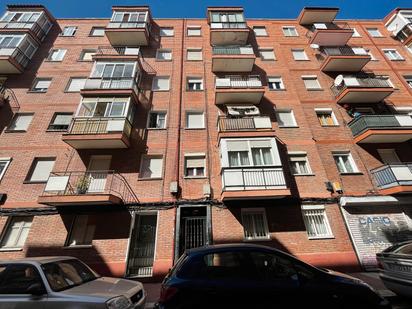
[314,46]
[338,80]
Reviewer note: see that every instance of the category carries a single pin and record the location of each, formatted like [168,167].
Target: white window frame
[260,28]
[320,111]
[255,211]
[356,34]
[268,51]
[67,33]
[149,157]
[84,232]
[194,28]
[15,117]
[290,31]
[408,80]
[157,120]
[193,53]
[292,116]
[194,112]
[61,52]
[7,162]
[167,33]
[199,80]
[161,89]
[40,79]
[195,156]
[54,119]
[304,158]
[164,50]
[340,154]
[118,17]
[70,82]
[329,233]
[299,50]
[375,32]
[7,228]
[94,29]
[110,102]
[313,78]
[282,85]
[93,73]
[392,54]
[33,167]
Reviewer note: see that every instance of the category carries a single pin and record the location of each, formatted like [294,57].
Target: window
[16,232]
[194,31]
[41,84]
[104,107]
[392,54]
[299,163]
[267,54]
[161,83]
[344,162]
[113,69]
[69,31]
[40,169]
[16,279]
[10,40]
[194,54]
[60,122]
[194,83]
[4,163]
[229,20]
[260,30]
[195,165]
[326,117]
[151,167]
[57,54]
[195,120]
[374,32]
[355,33]
[290,31]
[29,17]
[275,83]
[256,152]
[311,82]
[136,19]
[286,119]
[255,224]
[75,84]
[408,80]
[316,222]
[167,31]
[82,231]
[164,54]
[299,54]
[97,31]
[20,122]
[87,54]
[157,120]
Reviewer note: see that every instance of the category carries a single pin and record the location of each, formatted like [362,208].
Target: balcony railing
[104,125]
[342,51]
[228,25]
[111,83]
[39,32]
[127,25]
[233,50]
[7,96]
[252,81]
[15,53]
[253,178]
[391,175]
[89,183]
[365,122]
[247,123]
[117,51]
[361,82]
[405,33]
[327,26]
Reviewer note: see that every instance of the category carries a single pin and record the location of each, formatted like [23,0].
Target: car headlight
[119,302]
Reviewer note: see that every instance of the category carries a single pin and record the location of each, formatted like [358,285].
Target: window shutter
[62,119]
[195,162]
[22,122]
[152,167]
[42,84]
[260,144]
[76,84]
[42,170]
[166,31]
[161,83]
[285,119]
[237,146]
[311,83]
[195,120]
[193,31]
[267,54]
[194,54]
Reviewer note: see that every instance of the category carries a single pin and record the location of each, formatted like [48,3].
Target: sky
[359,9]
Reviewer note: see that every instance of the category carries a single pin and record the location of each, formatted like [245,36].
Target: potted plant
[83,184]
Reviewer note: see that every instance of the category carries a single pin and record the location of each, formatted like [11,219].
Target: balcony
[33,28]
[99,133]
[117,53]
[381,128]
[253,183]
[12,60]
[87,188]
[7,96]
[405,35]
[233,59]
[115,86]
[227,26]
[343,59]
[361,89]
[330,34]
[312,15]
[239,89]
[393,178]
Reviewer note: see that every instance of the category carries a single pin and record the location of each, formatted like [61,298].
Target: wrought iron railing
[7,95]
[362,123]
[33,26]
[90,183]
[250,178]
[390,175]
[228,25]
[117,51]
[233,50]
[101,125]
[251,81]
[342,51]
[245,123]
[362,81]
[16,53]
[111,83]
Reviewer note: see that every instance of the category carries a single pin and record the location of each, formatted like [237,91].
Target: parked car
[64,282]
[395,263]
[253,276]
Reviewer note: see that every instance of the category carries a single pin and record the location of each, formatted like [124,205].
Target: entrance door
[193,228]
[389,156]
[142,245]
[97,171]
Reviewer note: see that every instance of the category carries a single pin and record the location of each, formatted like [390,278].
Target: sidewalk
[153,293]
[372,278]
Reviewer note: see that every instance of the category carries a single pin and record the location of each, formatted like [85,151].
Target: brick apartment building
[125,141]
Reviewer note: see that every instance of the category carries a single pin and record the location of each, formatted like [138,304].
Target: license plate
[400,267]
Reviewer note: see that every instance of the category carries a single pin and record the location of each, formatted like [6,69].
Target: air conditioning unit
[207,190]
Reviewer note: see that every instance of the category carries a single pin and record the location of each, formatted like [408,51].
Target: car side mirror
[36,289]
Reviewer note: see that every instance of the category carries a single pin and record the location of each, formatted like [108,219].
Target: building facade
[125,141]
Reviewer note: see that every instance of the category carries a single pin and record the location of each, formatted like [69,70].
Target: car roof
[225,247]
[37,260]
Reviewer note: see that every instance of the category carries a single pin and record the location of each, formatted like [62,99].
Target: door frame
[209,238]
[99,156]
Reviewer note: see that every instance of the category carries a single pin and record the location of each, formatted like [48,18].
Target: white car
[63,283]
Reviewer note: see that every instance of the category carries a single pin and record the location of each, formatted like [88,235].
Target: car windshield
[66,274]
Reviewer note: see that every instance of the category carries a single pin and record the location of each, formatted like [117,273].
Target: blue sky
[364,9]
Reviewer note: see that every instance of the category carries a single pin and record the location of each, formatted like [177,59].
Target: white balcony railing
[111,83]
[252,81]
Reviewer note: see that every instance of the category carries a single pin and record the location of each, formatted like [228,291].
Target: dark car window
[17,278]
[272,266]
[228,265]
[66,274]
[406,249]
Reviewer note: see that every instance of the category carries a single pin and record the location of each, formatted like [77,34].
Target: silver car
[63,283]
[396,268]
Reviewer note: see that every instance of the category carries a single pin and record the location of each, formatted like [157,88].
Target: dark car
[396,268]
[253,276]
